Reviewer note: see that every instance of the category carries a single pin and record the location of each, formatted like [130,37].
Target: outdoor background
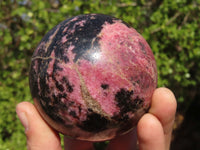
[171,27]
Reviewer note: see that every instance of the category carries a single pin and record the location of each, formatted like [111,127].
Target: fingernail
[23,118]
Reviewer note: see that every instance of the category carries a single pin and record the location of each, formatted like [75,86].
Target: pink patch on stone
[121,50]
[96,75]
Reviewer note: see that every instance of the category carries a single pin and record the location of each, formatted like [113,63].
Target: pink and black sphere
[92,77]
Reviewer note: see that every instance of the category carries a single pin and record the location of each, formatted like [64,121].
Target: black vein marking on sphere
[55,98]
[53,113]
[59,48]
[142,47]
[104,86]
[62,95]
[94,123]
[138,103]
[50,103]
[59,86]
[85,33]
[44,95]
[39,88]
[43,76]
[126,103]
[73,114]
[41,51]
[41,48]
[64,81]
[65,59]
[67,83]
[54,45]
[124,99]
[53,106]
[56,67]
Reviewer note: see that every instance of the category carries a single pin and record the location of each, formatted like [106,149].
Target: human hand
[153,130]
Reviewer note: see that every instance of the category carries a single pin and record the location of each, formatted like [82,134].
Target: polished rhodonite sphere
[92,77]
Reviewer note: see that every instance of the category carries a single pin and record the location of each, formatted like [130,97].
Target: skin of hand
[153,131]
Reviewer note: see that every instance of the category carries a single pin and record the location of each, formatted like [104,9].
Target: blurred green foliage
[170,27]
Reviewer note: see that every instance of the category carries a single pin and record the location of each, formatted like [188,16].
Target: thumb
[39,134]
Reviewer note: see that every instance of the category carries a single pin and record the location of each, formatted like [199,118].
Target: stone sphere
[92,77]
